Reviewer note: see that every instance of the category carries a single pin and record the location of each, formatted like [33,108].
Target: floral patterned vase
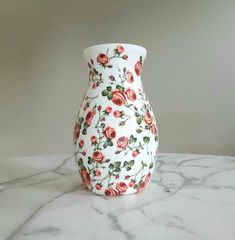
[115,134]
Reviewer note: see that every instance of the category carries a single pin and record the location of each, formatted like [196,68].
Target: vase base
[113,192]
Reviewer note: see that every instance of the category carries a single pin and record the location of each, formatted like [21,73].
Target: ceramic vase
[115,135]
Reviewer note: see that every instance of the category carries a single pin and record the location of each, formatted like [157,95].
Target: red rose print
[110,132]
[131,184]
[129,77]
[120,49]
[81,143]
[131,94]
[141,186]
[89,117]
[85,176]
[94,85]
[93,139]
[111,77]
[97,173]
[76,132]
[134,153]
[122,142]
[121,187]
[118,97]
[102,59]
[98,186]
[117,100]
[148,118]
[117,114]
[98,156]
[110,192]
[147,178]
[108,109]
[153,129]
[138,68]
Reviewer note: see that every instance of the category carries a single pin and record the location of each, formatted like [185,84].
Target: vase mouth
[133,47]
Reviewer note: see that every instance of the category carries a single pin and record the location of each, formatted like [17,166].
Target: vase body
[115,135]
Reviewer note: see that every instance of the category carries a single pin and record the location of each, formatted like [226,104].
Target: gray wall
[189,74]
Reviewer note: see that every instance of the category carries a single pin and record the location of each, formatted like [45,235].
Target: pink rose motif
[138,68]
[148,118]
[118,97]
[97,173]
[110,132]
[117,114]
[85,176]
[93,139]
[119,49]
[121,187]
[94,85]
[122,142]
[111,77]
[102,59]
[89,117]
[110,192]
[153,129]
[81,143]
[131,184]
[134,153]
[129,77]
[141,186]
[147,178]
[98,156]
[98,186]
[76,132]
[131,94]
[108,109]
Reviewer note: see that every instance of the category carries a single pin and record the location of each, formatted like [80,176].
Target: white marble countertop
[190,197]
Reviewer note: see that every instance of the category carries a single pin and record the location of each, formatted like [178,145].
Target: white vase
[115,134]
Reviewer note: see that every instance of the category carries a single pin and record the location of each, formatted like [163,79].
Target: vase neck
[115,64]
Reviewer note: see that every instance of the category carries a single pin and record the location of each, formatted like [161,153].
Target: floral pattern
[115,134]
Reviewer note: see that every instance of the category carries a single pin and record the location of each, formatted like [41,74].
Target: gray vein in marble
[116,225]
[16,181]
[38,210]
[183,188]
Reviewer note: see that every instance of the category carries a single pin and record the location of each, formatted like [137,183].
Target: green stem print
[95,78]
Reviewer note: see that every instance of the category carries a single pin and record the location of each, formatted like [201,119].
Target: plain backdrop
[189,74]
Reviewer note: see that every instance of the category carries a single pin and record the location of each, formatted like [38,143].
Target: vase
[115,134]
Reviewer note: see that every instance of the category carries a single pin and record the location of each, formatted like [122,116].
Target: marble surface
[190,197]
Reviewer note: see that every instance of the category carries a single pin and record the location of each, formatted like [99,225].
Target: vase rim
[129,45]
